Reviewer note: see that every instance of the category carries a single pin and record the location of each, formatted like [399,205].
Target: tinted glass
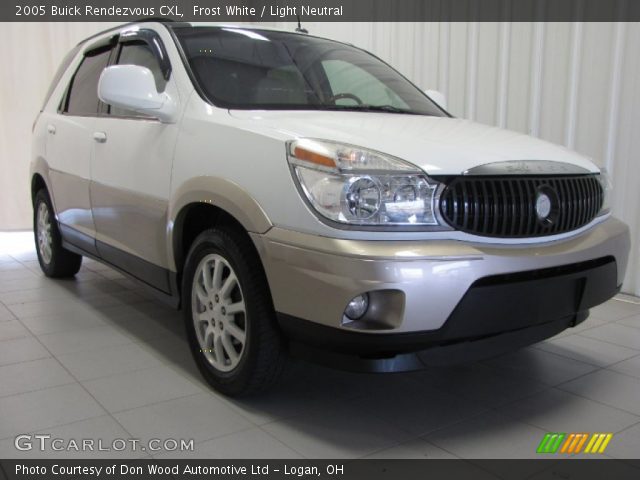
[82,98]
[241,68]
[346,77]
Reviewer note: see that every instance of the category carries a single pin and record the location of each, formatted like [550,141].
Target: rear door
[131,171]
[69,148]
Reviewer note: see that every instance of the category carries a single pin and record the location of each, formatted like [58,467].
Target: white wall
[29,56]
[570,83]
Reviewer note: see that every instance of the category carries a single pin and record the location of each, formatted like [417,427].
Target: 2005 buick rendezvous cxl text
[293,194]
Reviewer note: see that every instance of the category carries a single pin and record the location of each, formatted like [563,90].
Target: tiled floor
[96,357]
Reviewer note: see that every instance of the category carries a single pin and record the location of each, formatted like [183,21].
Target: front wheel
[55,261]
[229,314]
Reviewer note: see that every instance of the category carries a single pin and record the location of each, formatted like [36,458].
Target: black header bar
[321,10]
[552,467]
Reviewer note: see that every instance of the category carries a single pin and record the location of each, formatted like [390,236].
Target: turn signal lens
[309,156]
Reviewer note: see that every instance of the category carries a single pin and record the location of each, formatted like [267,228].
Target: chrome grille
[505,206]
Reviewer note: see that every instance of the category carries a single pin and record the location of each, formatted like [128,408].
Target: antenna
[300,29]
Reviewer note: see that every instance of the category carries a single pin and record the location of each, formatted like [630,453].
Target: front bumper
[439,292]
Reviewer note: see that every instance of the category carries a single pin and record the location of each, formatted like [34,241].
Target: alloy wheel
[44,233]
[219,313]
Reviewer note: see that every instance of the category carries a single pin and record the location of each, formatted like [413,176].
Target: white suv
[294,194]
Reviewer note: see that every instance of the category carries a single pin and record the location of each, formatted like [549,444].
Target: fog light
[357,307]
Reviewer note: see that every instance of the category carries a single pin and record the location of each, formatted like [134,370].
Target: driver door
[131,176]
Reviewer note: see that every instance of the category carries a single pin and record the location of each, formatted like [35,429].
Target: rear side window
[82,96]
[66,61]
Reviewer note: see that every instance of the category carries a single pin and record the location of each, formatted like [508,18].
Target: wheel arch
[39,175]
[205,202]
[39,179]
[37,184]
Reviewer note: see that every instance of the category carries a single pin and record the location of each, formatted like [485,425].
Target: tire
[55,261]
[242,352]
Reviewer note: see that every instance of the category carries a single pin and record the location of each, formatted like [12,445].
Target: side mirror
[133,87]
[437,97]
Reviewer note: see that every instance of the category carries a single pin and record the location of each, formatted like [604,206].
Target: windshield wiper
[369,108]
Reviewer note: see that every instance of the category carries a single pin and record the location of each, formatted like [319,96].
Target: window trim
[115,43]
[155,44]
[105,44]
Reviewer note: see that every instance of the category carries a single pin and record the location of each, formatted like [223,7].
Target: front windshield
[259,69]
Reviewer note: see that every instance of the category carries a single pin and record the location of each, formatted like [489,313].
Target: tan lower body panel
[314,278]
[132,222]
[72,202]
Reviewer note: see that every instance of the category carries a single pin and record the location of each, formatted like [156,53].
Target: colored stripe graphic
[550,442]
[567,444]
[598,443]
[576,443]
[572,443]
[582,442]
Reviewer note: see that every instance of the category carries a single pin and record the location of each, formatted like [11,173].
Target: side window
[139,53]
[82,94]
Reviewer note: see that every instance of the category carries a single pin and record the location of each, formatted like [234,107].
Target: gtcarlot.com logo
[572,443]
[46,442]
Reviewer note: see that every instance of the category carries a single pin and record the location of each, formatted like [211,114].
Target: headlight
[607,186]
[357,186]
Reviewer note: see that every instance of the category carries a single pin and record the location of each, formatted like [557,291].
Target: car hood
[438,145]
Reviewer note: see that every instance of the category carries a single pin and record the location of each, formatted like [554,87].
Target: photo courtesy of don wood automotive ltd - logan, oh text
[337,239]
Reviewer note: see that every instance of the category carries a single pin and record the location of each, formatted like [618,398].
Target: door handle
[51,129]
[100,137]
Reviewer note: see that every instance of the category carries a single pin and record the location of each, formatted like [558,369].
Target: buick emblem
[543,206]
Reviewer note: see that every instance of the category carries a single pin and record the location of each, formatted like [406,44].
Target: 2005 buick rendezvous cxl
[296,194]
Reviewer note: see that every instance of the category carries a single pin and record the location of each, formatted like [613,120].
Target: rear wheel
[55,261]
[229,314]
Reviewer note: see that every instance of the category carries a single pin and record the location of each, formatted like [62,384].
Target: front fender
[221,193]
